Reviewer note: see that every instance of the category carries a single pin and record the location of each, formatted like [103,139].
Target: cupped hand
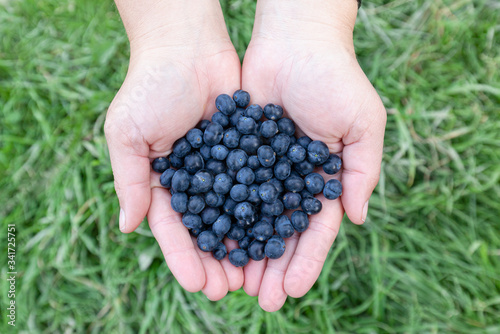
[319,83]
[167,91]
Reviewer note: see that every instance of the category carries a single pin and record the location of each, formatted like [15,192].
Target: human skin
[181,60]
[301,56]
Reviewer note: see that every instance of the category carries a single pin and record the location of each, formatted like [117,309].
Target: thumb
[361,165]
[131,167]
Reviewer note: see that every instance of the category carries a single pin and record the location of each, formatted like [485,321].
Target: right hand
[174,77]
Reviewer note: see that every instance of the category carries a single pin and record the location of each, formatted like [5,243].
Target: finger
[175,242]
[131,169]
[272,294]
[361,165]
[313,247]
[216,286]
[234,274]
[254,272]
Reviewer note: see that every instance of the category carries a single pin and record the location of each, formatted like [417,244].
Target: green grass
[426,261]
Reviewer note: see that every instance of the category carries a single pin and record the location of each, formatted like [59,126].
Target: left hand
[310,69]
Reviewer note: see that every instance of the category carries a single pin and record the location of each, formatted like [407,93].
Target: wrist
[326,20]
[154,27]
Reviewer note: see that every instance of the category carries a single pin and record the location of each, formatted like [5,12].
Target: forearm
[171,23]
[306,20]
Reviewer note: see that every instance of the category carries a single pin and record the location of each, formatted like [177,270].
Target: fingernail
[365,212]
[122,219]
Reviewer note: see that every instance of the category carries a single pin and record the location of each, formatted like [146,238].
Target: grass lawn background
[426,261]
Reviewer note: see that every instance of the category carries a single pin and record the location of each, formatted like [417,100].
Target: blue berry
[262,230]
[275,247]
[222,183]
[273,111]
[253,162]
[209,215]
[236,159]
[239,192]
[193,162]
[245,176]
[277,184]
[222,225]
[203,124]
[280,143]
[250,143]
[243,243]
[195,232]
[256,250]
[255,111]
[236,233]
[220,251]
[196,204]
[241,98]
[333,189]
[246,125]
[244,223]
[268,192]
[254,196]
[314,183]
[219,152]
[202,181]
[233,119]
[294,183]
[205,152]
[268,129]
[304,141]
[300,221]
[317,152]
[213,199]
[263,174]
[284,227]
[195,138]
[296,153]
[191,220]
[304,167]
[231,138]
[232,173]
[333,164]
[286,126]
[282,170]
[229,206]
[305,194]
[166,178]
[175,161]
[178,202]
[311,205]
[291,201]
[272,209]
[215,166]
[221,119]
[244,211]
[180,180]
[213,134]
[268,219]
[225,104]
[266,155]
[181,147]
[249,232]
[238,257]
[160,165]
[207,241]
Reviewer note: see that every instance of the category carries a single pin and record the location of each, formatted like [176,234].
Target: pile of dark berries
[235,175]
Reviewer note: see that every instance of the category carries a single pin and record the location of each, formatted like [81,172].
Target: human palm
[162,98]
[323,89]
